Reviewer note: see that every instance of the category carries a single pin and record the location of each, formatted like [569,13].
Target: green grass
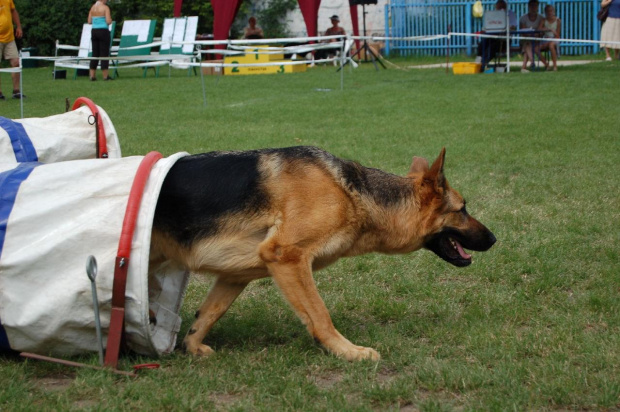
[533,324]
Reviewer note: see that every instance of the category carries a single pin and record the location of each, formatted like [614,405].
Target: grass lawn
[533,324]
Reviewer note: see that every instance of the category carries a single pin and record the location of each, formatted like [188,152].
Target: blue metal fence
[428,18]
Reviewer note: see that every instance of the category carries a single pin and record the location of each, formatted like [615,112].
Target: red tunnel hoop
[102,146]
[117,315]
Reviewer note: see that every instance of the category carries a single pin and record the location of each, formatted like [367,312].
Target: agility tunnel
[52,217]
[86,132]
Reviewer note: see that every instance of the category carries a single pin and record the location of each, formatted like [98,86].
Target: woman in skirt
[611,28]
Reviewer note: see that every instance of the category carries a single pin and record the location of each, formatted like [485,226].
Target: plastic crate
[466,68]
[26,62]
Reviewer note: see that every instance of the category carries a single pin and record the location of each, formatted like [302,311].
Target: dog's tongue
[461,251]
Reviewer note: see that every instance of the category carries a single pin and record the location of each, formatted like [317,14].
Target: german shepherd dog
[287,212]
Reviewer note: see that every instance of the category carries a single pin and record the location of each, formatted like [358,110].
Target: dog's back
[202,191]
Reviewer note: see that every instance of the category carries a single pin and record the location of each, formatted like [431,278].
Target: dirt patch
[326,380]
[386,376]
[224,400]
[54,384]
[410,407]
[85,404]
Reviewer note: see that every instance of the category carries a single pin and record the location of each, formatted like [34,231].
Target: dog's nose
[492,239]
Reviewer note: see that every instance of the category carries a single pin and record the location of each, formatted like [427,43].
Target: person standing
[611,28]
[8,48]
[99,17]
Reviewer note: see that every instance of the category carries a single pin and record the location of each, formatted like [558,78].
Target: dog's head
[447,227]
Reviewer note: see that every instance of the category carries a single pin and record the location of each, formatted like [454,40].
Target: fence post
[468,27]
[387,29]
[596,35]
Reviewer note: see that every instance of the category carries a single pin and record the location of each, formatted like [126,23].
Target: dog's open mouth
[449,248]
[457,246]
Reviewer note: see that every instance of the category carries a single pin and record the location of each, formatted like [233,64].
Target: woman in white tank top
[552,27]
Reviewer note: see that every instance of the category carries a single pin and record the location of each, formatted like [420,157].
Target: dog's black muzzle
[450,244]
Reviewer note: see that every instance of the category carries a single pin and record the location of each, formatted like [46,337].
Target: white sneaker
[608,59]
[525,71]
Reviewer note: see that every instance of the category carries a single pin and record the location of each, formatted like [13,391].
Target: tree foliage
[270,15]
[273,17]
[45,22]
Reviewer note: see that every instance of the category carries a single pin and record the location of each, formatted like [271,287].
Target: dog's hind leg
[292,272]
[221,296]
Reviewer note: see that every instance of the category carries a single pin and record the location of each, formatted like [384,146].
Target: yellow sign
[254,56]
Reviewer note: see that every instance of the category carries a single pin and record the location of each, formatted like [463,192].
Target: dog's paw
[198,350]
[358,353]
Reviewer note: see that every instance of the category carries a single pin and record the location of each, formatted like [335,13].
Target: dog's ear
[436,171]
[418,165]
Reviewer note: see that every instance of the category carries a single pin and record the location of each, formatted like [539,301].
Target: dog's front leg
[292,272]
[221,296]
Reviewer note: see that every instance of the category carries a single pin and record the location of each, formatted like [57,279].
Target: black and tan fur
[287,212]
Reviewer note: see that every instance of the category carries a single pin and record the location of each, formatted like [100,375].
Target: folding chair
[181,29]
[136,33]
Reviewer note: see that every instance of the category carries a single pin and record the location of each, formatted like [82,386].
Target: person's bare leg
[526,57]
[15,76]
[541,56]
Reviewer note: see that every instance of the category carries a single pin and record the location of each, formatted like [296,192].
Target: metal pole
[202,80]
[342,46]
[75,364]
[21,87]
[387,28]
[91,271]
[448,49]
[507,39]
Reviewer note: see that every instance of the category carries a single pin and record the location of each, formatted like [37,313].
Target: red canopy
[224,12]
[177,8]
[310,11]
